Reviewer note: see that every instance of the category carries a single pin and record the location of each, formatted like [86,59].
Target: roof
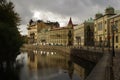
[70,22]
[90,20]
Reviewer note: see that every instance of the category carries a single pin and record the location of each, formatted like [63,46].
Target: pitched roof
[70,22]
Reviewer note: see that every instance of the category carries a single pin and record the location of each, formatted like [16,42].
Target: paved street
[116,65]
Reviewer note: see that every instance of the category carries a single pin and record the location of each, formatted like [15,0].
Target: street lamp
[114,28]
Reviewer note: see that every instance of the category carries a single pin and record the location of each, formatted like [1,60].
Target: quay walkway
[116,65]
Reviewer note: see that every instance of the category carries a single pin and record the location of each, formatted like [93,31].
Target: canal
[49,66]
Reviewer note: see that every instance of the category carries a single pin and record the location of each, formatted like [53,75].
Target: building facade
[32,32]
[97,32]
[57,36]
[39,27]
[83,33]
[62,36]
[114,24]
[101,28]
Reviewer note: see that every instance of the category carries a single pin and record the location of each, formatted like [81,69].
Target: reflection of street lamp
[114,28]
[95,44]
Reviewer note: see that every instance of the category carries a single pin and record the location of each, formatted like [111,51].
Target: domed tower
[109,10]
[98,15]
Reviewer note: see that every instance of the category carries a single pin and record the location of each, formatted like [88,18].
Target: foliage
[7,13]
[11,40]
[25,39]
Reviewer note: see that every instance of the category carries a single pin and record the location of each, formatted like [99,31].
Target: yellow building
[83,33]
[32,32]
[101,28]
[36,27]
[43,31]
[114,22]
[57,35]
[60,36]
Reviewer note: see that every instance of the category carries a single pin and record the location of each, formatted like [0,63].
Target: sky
[60,10]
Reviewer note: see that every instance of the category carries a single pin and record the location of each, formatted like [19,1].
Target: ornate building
[114,24]
[96,32]
[32,32]
[35,27]
[57,36]
[101,27]
[83,33]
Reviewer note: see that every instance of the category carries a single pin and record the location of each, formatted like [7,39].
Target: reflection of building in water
[80,71]
[32,60]
[75,68]
[57,62]
[70,69]
[46,60]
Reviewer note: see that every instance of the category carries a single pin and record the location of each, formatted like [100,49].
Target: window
[100,26]
[116,39]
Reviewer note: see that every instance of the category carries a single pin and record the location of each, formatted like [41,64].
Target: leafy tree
[10,38]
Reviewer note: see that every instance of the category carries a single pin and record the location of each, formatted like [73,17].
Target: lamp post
[114,28]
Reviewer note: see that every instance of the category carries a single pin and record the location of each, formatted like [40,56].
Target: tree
[11,40]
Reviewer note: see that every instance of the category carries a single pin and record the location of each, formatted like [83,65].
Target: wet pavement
[116,65]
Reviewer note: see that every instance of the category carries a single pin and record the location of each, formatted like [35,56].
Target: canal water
[49,66]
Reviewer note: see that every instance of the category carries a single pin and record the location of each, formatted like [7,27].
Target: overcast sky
[60,10]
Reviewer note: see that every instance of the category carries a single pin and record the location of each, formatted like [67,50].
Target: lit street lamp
[114,28]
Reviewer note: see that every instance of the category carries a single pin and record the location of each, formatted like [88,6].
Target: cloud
[48,9]
[23,29]
[50,16]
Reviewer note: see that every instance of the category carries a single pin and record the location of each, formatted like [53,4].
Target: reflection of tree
[70,69]
[9,74]
[100,41]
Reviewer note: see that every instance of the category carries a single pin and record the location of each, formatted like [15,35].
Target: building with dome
[92,32]
[101,27]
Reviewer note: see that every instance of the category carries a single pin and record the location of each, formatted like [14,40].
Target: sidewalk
[116,65]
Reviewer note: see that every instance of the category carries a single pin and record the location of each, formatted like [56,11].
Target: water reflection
[9,74]
[70,69]
[47,66]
